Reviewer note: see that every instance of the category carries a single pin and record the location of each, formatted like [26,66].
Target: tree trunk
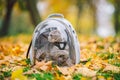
[79,5]
[35,17]
[117,16]
[93,9]
[6,21]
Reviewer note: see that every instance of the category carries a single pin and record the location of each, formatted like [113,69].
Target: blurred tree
[6,20]
[22,5]
[116,4]
[117,15]
[81,4]
[2,5]
[31,6]
[92,6]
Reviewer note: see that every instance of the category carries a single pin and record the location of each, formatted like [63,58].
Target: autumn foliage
[99,60]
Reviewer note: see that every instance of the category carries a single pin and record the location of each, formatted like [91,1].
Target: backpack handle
[56,15]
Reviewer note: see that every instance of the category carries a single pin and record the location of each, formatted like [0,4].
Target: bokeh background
[93,17]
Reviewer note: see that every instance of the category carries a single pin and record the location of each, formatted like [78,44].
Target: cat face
[55,36]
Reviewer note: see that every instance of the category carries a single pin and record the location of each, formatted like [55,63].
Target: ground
[99,60]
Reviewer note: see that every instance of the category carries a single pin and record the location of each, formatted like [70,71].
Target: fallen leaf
[18,75]
[63,70]
[86,72]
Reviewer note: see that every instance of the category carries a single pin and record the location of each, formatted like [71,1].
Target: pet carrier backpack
[54,39]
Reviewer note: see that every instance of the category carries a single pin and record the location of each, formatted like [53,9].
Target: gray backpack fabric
[55,39]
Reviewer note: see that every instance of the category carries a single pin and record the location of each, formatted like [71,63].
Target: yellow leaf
[101,77]
[59,77]
[110,78]
[18,75]
[83,78]
[88,64]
